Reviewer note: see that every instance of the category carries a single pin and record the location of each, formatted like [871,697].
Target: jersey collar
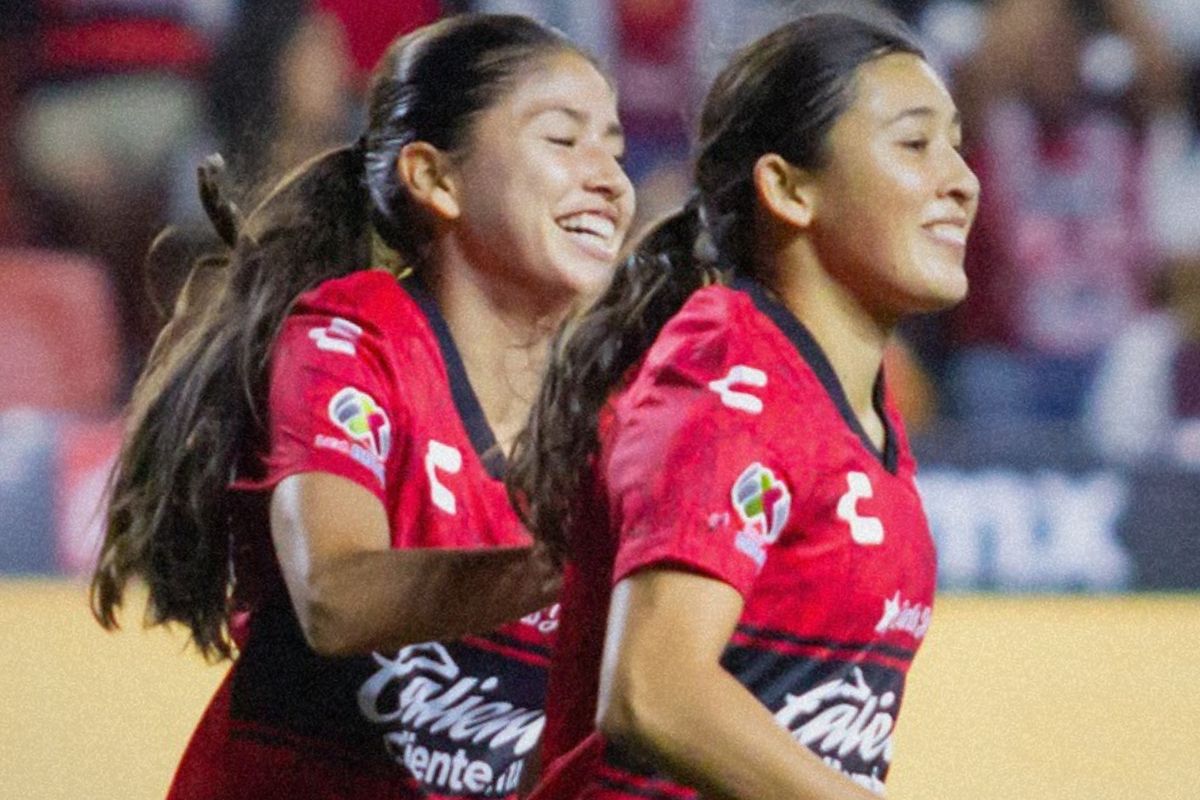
[815,357]
[483,440]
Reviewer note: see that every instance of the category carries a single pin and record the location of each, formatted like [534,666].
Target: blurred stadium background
[1056,413]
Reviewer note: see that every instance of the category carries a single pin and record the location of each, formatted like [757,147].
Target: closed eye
[561,141]
[916,145]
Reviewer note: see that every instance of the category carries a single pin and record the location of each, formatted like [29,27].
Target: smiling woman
[523,189]
[715,453]
[311,473]
[896,199]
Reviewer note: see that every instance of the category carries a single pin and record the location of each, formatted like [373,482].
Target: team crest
[363,420]
[763,503]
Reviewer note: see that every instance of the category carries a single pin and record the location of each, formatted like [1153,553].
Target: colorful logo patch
[363,420]
[763,503]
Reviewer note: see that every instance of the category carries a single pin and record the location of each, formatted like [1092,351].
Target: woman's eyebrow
[923,112]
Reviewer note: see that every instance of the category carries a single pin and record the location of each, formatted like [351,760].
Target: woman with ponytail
[311,477]
[715,454]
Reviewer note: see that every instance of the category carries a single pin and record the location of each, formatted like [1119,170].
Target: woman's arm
[354,593]
[665,695]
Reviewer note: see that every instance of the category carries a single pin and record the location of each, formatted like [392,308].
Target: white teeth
[588,222]
[955,234]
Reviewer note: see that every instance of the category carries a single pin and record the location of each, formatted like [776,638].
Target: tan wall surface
[1011,699]
[88,714]
[1054,698]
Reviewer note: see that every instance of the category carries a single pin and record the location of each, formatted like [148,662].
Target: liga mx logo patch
[763,503]
[363,420]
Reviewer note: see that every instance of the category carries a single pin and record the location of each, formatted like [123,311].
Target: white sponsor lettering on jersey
[444,723]
[842,718]
[900,614]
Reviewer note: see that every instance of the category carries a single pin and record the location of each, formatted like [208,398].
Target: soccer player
[716,455]
[311,474]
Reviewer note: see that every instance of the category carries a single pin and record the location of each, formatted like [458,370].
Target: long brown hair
[781,94]
[196,419]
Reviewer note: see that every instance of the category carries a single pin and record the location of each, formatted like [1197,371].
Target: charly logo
[741,375]
[363,420]
[339,336]
[440,457]
[863,530]
[845,719]
[763,503]
[900,614]
[448,729]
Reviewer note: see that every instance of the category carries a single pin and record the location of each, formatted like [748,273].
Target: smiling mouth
[596,233]
[951,233]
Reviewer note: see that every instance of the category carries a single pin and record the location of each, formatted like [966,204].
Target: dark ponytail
[197,409]
[588,357]
[197,417]
[781,94]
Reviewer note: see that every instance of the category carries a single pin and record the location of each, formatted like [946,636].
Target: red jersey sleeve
[332,404]
[691,478]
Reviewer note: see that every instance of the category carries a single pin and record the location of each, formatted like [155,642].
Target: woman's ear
[784,190]
[425,170]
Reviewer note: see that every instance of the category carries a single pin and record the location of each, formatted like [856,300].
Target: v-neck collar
[466,402]
[810,351]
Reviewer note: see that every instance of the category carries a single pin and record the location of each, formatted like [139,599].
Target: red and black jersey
[366,384]
[732,452]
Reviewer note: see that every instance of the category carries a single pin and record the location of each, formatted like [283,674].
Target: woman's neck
[502,339]
[852,339]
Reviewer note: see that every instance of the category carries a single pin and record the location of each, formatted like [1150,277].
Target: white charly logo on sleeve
[443,458]
[338,336]
[424,698]
[844,718]
[863,530]
[741,375]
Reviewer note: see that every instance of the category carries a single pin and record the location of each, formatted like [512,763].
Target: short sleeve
[332,404]
[691,478]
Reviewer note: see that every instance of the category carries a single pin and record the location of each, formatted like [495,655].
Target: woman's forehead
[564,83]
[899,86]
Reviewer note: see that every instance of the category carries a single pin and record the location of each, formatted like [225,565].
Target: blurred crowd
[1082,118]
